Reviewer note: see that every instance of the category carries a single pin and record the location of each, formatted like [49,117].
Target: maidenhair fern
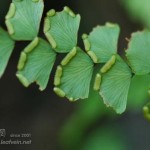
[74,74]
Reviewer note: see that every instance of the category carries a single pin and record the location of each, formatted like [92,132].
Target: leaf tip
[51,40]
[97,82]
[59,92]
[11,11]
[22,60]
[93,56]
[22,79]
[69,11]
[86,42]
[9,27]
[51,13]
[58,75]
[46,25]
[32,45]
[108,64]
[69,56]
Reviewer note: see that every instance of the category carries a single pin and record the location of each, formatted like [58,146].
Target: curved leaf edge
[23,60]
[129,40]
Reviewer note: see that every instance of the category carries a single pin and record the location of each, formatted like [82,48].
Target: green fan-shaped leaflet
[6,48]
[35,64]
[102,41]
[23,19]
[138,52]
[76,76]
[61,29]
[115,86]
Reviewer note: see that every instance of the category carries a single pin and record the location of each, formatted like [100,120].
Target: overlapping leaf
[115,86]
[6,48]
[61,29]
[76,76]
[23,19]
[35,63]
[102,41]
[138,52]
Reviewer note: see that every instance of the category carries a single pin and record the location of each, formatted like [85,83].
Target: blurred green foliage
[138,10]
[105,138]
[138,93]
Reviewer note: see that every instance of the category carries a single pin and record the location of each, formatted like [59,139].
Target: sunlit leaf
[35,64]
[102,41]
[6,48]
[76,76]
[61,29]
[138,52]
[23,19]
[115,86]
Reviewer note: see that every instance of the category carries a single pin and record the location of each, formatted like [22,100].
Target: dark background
[43,113]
